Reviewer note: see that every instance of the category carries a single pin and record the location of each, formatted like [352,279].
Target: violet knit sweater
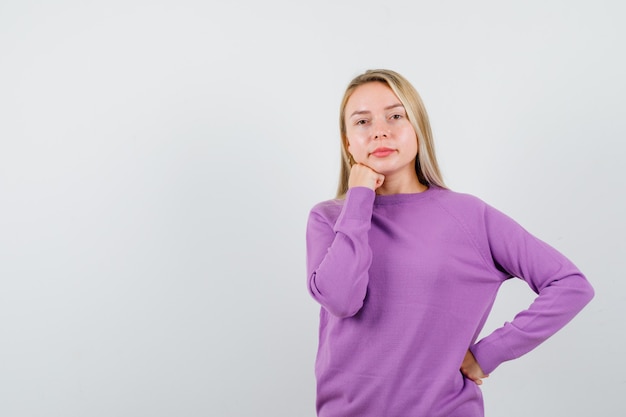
[406,282]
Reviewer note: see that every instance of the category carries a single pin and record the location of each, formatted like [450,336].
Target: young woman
[406,271]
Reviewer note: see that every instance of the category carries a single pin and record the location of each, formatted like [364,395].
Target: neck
[397,184]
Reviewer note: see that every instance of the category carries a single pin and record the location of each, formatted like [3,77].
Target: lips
[382,152]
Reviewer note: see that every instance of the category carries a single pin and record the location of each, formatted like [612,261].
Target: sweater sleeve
[562,291]
[339,255]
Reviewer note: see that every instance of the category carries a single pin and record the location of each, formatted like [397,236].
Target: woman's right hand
[364,176]
[471,369]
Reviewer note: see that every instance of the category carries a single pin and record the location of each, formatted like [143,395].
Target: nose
[380,131]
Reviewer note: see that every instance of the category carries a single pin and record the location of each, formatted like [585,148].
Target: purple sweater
[406,282]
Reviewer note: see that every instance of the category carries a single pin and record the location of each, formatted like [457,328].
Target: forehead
[371,96]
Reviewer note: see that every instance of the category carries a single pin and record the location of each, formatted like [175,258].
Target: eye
[360,122]
[396,116]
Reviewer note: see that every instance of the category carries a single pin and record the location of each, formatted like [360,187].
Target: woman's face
[378,130]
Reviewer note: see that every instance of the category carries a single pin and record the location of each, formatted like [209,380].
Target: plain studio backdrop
[158,160]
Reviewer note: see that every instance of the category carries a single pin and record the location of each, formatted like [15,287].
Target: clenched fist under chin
[364,176]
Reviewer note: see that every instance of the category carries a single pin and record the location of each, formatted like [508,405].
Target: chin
[391,168]
[382,167]
[384,171]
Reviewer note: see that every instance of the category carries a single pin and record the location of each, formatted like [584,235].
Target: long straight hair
[426,166]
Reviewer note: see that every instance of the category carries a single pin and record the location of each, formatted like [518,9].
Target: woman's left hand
[471,369]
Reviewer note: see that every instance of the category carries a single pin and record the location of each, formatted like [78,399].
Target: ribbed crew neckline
[405,198]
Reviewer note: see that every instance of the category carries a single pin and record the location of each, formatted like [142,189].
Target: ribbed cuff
[490,355]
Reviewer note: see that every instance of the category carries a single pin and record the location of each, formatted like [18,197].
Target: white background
[158,160]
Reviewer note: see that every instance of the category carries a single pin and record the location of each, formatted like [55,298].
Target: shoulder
[476,215]
[328,210]
[458,203]
[472,212]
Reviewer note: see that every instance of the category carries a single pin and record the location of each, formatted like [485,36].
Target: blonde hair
[426,166]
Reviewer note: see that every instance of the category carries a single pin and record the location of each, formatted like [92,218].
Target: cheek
[354,145]
[352,150]
[410,140]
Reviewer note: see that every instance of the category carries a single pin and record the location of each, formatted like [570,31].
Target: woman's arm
[339,255]
[562,291]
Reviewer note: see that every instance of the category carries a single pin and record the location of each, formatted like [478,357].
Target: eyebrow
[393,106]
